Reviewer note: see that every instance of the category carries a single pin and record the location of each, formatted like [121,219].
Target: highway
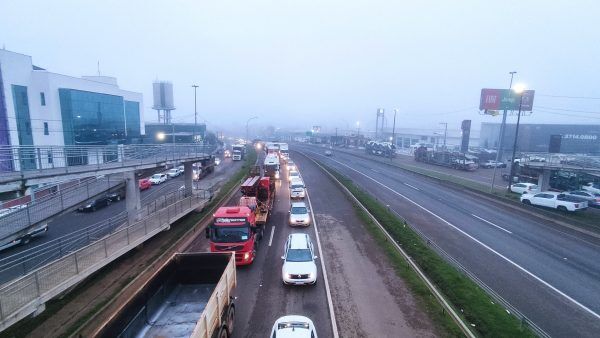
[71,222]
[355,267]
[549,273]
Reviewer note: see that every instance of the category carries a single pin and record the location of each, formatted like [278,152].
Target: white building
[38,107]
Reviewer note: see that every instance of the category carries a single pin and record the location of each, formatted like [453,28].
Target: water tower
[163,100]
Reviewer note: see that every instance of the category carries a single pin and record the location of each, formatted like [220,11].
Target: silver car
[299,214]
[297,189]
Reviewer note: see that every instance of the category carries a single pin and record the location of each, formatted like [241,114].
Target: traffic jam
[240,227]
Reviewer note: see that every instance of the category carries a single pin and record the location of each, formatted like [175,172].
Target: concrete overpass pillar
[133,203]
[544,180]
[188,177]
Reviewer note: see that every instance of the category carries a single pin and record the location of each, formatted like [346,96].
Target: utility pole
[195,114]
[445,132]
[512,161]
[501,138]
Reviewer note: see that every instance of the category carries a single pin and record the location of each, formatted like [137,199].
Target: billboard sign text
[505,99]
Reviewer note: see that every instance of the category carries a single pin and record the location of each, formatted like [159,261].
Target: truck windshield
[230,234]
[298,255]
[297,186]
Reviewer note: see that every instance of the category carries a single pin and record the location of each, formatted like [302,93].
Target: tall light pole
[250,119]
[195,114]
[394,128]
[445,132]
[519,90]
[501,137]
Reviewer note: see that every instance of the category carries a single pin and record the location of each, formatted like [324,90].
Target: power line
[570,97]
[569,115]
[570,110]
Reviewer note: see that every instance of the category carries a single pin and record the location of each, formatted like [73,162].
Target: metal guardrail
[23,296]
[25,162]
[41,209]
[448,258]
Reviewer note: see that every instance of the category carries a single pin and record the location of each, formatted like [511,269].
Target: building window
[43,98]
[46,132]
[50,157]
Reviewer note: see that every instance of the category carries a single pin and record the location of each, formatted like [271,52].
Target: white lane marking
[412,186]
[272,232]
[375,170]
[490,223]
[550,286]
[322,258]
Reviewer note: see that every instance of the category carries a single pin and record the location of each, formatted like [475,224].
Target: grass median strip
[479,310]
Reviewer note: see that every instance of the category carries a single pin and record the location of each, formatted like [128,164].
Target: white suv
[293,326]
[299,214]
[158,178]
[299,266]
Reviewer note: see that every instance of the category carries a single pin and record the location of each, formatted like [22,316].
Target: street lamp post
[501,137]
[445,132]
[250,119]
[514,152]
[195,114]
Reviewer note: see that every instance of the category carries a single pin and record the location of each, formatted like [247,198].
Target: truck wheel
[562,208]
[528,202]
[223,333]
[230,319]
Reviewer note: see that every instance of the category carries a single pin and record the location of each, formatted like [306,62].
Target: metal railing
[22,296]
[41,209]
[22,162]
[562,161]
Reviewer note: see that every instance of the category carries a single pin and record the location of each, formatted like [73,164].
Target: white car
[217,161]
[172,173]
[291,165]
[158,179]
[592,187]
[299,266]
[521,188]
[554,200]
[297,189]
[293,327]
[293,174]
[299,214]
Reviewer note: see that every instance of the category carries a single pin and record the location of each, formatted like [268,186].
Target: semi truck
[271,166]
[258,194]
[284,151]
[234,229]
[454,160]
[191,295]
[238,152]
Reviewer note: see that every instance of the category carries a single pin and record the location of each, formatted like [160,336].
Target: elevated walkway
[42,164]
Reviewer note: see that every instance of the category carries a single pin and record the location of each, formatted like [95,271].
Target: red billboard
[505,99]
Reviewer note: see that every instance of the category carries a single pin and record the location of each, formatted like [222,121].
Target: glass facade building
[94,118]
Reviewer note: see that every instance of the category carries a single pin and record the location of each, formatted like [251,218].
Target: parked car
[521,188]
[145,183]
[592,198]
[554,200]
[328,152]
[293,326]
[592,187]
[291,165]
[95,204]
[297,189]
[299,266]
[493,164]
[158,178]
[299,214]
[116,195]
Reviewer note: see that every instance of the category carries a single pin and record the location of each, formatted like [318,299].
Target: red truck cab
[234,229]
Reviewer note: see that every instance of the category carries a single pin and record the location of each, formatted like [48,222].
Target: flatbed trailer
[191,295]
[258,194]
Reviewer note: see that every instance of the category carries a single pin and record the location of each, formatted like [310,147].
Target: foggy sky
[296,64]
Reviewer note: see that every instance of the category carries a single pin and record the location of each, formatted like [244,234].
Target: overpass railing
[25,295]
[19,162]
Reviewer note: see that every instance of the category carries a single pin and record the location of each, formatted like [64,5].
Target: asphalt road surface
[548,272]
[73,221]
[261,295]
[361,282]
